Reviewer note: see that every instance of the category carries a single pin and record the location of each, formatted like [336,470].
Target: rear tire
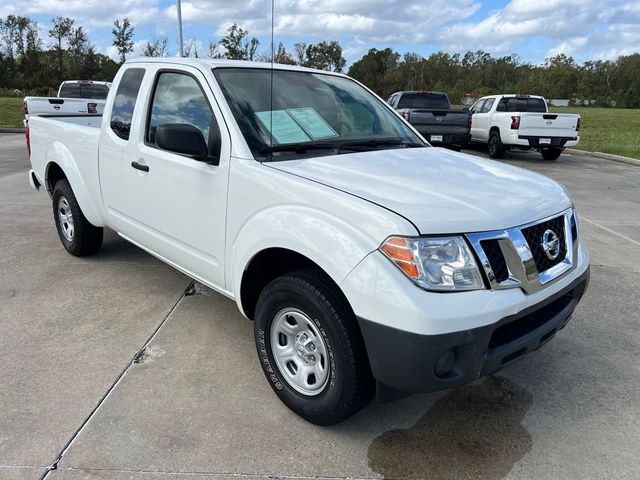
[551,153]
[311,349]
[495,147]
[78,236]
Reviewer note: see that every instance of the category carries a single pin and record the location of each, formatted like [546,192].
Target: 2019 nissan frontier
[368,260]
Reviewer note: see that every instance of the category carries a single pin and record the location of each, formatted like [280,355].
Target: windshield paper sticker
[296,125]
[315,126]
[285,129]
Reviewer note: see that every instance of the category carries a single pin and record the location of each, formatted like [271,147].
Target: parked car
[522,121]
[367,260]
[74,97]
[431,114]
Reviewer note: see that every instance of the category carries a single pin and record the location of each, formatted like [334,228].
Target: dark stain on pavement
[472,432]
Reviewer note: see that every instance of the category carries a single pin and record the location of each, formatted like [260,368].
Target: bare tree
[155,48]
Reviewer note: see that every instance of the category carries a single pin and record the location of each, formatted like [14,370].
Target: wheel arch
[63,168]
[270,263]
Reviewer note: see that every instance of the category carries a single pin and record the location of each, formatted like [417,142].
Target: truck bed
[74,138]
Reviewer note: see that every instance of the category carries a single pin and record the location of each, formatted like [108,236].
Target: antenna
[273,54]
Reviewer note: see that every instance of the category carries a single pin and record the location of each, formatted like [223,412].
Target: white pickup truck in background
[368,260]
[522,121]
[75,97]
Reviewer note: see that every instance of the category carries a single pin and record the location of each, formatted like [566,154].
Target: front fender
[330,242]
[60,155]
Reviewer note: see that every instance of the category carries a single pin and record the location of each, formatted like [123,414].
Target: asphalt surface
[108,370]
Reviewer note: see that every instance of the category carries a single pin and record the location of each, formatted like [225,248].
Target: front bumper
[410,362]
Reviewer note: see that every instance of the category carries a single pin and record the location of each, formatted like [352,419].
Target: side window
[502,105]
[487,105]
[178,98]
[125,101]
[478,106]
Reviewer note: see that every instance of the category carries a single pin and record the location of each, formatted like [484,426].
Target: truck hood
[438,190]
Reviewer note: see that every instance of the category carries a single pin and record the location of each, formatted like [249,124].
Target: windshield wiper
[379,142]
[298,147]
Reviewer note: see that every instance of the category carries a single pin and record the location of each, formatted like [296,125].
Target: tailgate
[63,106]
[440,121]
[548,124]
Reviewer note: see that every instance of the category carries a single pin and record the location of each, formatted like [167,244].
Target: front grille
[496,259]
[533,235]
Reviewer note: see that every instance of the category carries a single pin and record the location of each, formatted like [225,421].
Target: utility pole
[180,28]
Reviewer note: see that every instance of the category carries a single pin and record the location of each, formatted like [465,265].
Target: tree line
[27,66]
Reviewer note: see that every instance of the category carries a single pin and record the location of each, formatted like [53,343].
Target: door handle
[139,166]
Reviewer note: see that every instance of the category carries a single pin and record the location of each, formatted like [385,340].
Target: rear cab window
[427,100]
[522,104]
[84,90]
[125,101]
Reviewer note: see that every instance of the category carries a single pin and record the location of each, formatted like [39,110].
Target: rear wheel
[495,147]
[551,153]
[311,349]
[78,236]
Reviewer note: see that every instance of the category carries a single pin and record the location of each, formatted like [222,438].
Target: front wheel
[551,153]
[311,349]
[78,236]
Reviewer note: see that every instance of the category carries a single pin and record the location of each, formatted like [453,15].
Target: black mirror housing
[182,138]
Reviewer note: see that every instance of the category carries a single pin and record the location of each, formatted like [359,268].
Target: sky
[532,29]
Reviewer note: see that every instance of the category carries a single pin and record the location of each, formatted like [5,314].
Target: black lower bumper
[558,142]
[411,363]
[459,139]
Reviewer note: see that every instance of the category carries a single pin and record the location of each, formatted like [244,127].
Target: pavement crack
[137,358]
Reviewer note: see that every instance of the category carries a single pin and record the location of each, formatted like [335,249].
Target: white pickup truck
[75,97]
[522,121]
[368,260]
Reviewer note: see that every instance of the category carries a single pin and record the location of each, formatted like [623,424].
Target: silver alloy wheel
[65,217]
[300,351]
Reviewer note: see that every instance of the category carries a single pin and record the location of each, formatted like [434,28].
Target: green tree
[123,37]
[60,30]
[236,44]
[378,69]
[325,56]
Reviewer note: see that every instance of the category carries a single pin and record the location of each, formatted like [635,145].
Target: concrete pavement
[106,361]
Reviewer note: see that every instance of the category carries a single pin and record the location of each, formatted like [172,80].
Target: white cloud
[534,28]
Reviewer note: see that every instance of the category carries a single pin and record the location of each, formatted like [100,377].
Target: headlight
[435,263]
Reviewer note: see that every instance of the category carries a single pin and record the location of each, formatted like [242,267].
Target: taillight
[26,134]
[578,125]
[92,107]
[469,118]
[515,122]
[407,115]
[26,108]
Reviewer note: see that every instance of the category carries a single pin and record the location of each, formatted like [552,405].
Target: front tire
[311,349]
[78,236]
[551,153]
[495,147]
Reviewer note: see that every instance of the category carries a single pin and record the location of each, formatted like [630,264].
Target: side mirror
[466,109]
[182,138]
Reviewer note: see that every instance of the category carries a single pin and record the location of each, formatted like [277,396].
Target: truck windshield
[309,113]
[80,90]
[431,101]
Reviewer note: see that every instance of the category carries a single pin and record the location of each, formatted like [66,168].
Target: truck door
[481,120]
[177,203]
[475,110]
